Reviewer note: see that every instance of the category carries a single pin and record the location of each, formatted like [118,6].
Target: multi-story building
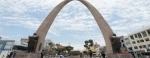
[125,44]
[6,47]
[95,49]
[2,38]
[140,40]
[123,47]
[24,41]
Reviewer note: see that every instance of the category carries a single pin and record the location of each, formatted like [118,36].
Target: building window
[139,35]
[133,42]
[135,47]
[144,46]
[132,37]
[140,47]
[130,48]
[135,35]
[138,41]
[144,34]
[147,39]
[142,40]
[126,39]
[148,31]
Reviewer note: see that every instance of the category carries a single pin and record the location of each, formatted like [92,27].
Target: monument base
[119,56]
[27,55]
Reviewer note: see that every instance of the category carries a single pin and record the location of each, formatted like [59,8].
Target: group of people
[90,54]
[101,53]
[12,55]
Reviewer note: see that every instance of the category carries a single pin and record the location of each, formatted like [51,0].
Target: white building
[5,47]
[24,41]
[125,44]
[140,40]
[2,38]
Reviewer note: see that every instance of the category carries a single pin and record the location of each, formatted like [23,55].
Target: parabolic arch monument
[46,24]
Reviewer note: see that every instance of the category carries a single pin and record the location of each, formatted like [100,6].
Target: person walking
[14,54]
[103,54]
[90,53]
[42,53]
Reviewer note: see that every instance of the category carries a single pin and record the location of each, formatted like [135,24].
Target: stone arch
[104,27]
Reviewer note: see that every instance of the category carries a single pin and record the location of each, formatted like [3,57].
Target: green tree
[60,49]
[51,47]
[91,42]
[88,43]
[85,52]
[68,48]
[75,52]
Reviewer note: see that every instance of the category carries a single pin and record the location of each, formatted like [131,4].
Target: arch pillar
[46,24]
[103,25]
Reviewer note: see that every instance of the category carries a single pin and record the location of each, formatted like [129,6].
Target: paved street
[71,57]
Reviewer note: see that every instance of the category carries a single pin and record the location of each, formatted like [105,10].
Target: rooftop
[143,29]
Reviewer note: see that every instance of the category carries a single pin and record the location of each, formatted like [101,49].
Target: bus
[19,48]
[16,49]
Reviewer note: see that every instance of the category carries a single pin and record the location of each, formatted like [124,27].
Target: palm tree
[86,44]
[91,42]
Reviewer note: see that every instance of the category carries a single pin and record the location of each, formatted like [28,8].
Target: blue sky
[74,24]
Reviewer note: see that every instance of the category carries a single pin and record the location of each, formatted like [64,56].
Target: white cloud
[75,16]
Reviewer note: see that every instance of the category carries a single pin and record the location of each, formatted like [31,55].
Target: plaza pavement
[73,57]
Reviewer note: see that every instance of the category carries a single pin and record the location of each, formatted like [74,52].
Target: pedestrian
[90,53]
[10,55]
[14,54]
[81,55]
[103,54]
[42,53]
